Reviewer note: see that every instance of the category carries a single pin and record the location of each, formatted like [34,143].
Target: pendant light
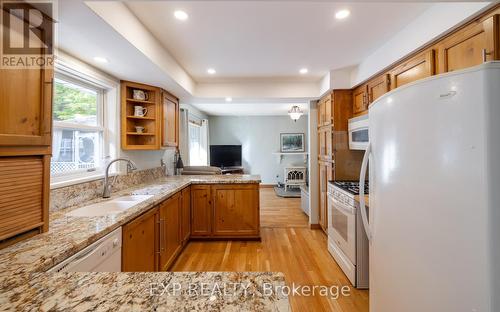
[295,113]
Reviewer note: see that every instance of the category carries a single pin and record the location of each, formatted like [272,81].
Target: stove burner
[351,186]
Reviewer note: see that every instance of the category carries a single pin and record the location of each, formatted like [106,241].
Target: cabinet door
[26,107]
[140,243]
[322,195]
[24,182]
[325,143]
[201,211]
[170,240]
[473,45]
[360,100]
[236,210]
[186,215]
[170,120]
[421,66]
[378,87]
[321,113]
[328,117]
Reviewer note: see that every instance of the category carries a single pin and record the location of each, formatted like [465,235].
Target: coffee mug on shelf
[139,129]
[140,111]
[140,95]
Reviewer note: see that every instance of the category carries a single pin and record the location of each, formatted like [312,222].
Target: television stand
[234,170]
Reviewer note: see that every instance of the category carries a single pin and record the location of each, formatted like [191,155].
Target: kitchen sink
[111,207]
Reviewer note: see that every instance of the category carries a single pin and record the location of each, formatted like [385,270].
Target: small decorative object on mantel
[295,113]
[292,142]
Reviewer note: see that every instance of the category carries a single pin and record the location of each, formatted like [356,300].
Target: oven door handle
[343,207]
[362,204]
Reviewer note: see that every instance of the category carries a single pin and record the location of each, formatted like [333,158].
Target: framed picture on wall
[292,142]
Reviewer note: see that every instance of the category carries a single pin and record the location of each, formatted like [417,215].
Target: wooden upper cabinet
[473,45]
[201,211]
[136,96]
[325,112]
[418,67]
[170,120]
[378,87]
[325,143]
[360,100]
[25,107]
[140,243]
[170,230]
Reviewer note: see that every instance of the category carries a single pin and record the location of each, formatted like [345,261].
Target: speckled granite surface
[24,285]
[159,291]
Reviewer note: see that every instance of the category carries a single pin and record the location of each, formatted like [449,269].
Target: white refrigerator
[434,212]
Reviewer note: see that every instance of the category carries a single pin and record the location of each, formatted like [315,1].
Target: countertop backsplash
[72,195]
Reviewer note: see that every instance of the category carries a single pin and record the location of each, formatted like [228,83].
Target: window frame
[100,126]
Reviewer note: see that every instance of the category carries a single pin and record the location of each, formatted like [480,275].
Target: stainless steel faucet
[106,193]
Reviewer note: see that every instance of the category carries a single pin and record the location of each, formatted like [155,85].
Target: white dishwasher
[105,255]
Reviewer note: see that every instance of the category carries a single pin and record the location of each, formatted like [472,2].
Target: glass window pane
[74,103]
[75,150]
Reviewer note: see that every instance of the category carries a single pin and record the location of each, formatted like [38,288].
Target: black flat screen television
[223,156]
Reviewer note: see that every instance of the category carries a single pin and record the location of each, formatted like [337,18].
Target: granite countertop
[26,286]
[68,235]
[144,291]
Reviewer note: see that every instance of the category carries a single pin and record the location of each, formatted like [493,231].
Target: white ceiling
[248,109]
[243,39]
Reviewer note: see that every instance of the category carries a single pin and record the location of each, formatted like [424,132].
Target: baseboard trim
[315,227]
[267,185]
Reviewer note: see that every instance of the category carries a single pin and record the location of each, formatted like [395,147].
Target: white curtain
[204,141]
[184,136]
[56,144]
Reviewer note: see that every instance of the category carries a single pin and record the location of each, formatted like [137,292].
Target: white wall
[259,137]
[313,164]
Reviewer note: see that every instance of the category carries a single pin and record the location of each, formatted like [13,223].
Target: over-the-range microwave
[358,132]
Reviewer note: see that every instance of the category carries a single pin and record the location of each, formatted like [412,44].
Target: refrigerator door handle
[362,204]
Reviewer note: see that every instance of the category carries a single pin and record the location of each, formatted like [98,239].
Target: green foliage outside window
[70,101]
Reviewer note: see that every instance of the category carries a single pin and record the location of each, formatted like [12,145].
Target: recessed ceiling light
[181,15]
[211,71]
[229,99]
[100,59]
[341,14]
[303,71]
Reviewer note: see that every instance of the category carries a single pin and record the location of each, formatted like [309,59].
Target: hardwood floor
[287,246]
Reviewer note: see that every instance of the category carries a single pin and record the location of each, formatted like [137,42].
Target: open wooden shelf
[136,133]
[141,101]
[151,137]
[141,118]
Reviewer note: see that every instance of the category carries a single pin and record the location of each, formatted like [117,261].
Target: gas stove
[350,186]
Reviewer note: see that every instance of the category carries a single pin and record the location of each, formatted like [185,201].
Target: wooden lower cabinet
[325,174]
[140,243]
[170,231]
[201,211]
[225,211]
[236,210]
[185,215]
